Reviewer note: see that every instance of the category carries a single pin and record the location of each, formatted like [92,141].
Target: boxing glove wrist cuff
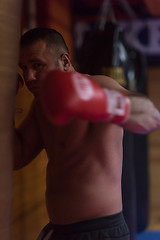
[118,106]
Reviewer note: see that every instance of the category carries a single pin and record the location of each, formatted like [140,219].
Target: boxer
[79,121]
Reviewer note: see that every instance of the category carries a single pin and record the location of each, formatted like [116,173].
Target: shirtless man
[83,195]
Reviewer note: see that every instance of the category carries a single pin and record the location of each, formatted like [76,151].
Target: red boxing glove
[67,95]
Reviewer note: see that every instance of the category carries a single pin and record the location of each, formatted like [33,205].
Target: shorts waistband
[93,224]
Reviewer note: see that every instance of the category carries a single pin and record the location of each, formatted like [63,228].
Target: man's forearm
[144,117]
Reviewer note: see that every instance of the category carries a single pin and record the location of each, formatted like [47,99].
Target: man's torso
[83,171]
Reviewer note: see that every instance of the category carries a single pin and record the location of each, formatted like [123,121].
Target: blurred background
[119,38]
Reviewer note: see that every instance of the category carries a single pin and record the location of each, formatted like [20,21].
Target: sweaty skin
[84,168]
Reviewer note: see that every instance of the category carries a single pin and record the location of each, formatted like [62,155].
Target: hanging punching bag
[9,29]
[138,68]
[104,51]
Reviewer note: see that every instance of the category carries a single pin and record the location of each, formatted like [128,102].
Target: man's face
[36,61]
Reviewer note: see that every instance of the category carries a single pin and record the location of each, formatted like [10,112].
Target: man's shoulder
[105,81]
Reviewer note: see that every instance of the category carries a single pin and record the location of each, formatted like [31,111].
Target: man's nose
[29,76]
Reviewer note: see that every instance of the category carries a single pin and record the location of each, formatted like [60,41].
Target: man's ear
[65,58]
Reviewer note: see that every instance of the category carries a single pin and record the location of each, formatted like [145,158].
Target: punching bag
[138,68]
[106,52]
[136,76]
[9,29]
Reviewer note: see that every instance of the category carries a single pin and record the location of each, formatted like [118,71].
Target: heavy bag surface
[103,52]
[106,52]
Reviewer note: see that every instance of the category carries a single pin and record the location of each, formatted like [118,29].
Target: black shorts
[105,228]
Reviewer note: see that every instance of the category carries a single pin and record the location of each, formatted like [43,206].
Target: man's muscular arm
[27,141]
[68,95]
[144,117]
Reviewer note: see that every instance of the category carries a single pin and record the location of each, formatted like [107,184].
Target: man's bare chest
[63,138]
